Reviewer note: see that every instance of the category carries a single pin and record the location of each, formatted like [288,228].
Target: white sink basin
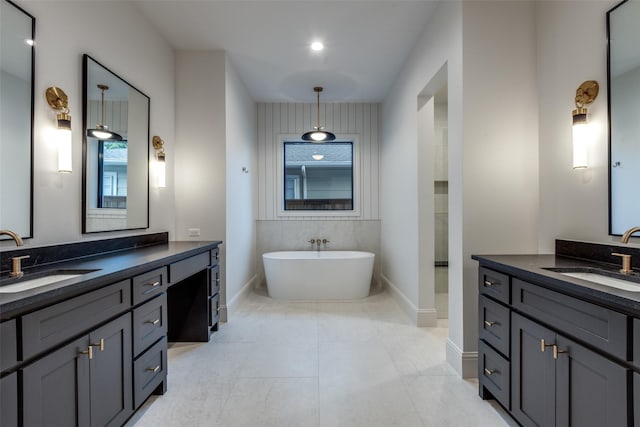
[605,280]
[43,278]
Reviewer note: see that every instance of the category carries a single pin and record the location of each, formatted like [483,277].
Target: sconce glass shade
[161,173]
[160,164]
[64,141]
[581,136]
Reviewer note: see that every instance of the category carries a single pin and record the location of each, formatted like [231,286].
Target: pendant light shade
[318,134]
[101,131]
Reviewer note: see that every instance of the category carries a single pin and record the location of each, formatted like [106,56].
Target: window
[318,177]
[112,174]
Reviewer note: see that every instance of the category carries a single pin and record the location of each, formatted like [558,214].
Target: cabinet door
[591,390]
[533,373]
[111,373]
[9,401]
[56,387]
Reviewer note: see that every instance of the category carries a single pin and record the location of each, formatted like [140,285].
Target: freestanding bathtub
[318,275]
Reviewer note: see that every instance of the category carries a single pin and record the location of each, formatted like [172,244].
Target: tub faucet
[627,234]
[14,236]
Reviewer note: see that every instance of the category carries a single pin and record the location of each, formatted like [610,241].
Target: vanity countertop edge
[110,268]
[533,268]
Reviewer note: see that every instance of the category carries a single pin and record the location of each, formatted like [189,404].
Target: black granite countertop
[109,268]
[534,269]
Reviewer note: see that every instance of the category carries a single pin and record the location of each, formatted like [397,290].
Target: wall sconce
[582,131]
[160,169]
[58,101]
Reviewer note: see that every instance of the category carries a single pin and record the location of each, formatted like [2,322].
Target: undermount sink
[25,284]
[606,279]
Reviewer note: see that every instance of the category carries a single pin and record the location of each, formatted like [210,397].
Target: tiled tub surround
[589,360]
[293,235]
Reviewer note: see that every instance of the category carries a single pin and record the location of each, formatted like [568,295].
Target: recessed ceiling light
[317,46]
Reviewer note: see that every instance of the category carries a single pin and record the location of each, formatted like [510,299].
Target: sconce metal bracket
[57,99]
[587,93]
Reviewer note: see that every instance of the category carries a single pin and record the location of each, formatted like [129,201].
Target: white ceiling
[268,42]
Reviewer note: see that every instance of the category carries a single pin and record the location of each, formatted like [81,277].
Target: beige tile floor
[322,364]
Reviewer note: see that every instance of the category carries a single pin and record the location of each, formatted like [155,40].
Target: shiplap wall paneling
[277,119]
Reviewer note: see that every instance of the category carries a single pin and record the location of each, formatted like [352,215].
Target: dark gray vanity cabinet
[9,400]
[214,295]
[561,358]
[86,382]
[558,382]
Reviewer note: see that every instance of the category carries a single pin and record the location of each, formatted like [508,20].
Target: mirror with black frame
[115,168]
[17,53]
[623,74]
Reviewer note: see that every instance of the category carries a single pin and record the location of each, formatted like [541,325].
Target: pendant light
[318,134]
[101,131]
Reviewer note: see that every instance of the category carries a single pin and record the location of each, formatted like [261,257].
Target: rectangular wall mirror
[17,31]
[115,168]
[624,110]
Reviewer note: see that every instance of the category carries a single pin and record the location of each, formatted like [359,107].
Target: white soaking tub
[318,275]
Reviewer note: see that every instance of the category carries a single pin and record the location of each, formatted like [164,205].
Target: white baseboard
[425,317]
[464,363]
[233,303]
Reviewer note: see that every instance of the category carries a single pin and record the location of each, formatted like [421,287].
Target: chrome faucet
[14,236]
[627,234]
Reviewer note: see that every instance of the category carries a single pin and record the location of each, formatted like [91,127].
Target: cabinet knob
[154,284]
[155,369]
[489,283]
[153,322]
[489,323]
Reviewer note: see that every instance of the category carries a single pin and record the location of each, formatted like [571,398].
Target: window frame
[357,202]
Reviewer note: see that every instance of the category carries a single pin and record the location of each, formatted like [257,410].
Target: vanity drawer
[214,305]
[149,284]
[149,323]
[48,327]
[598,326]
[494,374]
[187,267]
[149,371]
[214,280]
[9,401]
[494,324]
[215,256]
[8,345]
[494,284]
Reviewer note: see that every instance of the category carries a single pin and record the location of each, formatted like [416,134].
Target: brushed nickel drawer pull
[544,345]
[153,285]
[556,352]
[153,322]
[489,283]
[89,352]
[489,372]
[156,369]
[99,344]
[489,323]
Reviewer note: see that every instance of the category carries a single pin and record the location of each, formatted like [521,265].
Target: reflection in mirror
[624,110]
[115,168]
[17,30]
